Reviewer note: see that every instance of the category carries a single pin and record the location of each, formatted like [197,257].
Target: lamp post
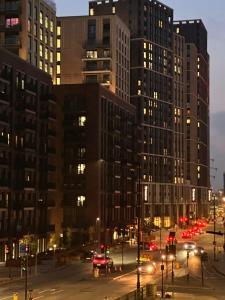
[162,270]
[202,274]
[138,229]
[97,225]
[214,227]
[172,257]
[187,265]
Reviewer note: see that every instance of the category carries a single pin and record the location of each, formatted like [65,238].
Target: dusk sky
[212,14]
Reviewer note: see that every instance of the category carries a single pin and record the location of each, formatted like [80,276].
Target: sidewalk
[8,275]
[184,296]
[219,265]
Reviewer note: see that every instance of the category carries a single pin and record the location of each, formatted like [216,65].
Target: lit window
[41,50]
[155,95]
[46,22]
[139,82]
[188,121]
[51,41]
[58,44]
[51,70]
[41,65]
[198,74]
[198,124]
[91,12]
[145,65]
[160,24]
[91,54]
[58,80]
[41,17]
[145,55]
[12,22]
[41,34]
[59,30]
[81,168]
[113,10]
[58,56]
[8,138]
[46,53]
[145,193]
[145,111]
[145,46]
[51,26]
[58,69]
[80,200]
[51,57]
[82,121]
[46,68]
[178,30]
[139,92]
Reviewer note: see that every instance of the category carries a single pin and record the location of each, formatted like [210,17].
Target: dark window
[91,30]
[106,32]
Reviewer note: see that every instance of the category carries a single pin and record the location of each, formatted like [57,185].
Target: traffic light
[27,248]
[24,264]
[107,251]
[102,248]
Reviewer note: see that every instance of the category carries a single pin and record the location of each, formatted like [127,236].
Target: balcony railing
[14,28]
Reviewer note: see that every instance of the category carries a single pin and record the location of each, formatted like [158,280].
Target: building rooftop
[51,3]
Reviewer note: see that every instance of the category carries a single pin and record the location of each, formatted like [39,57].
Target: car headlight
[185,246]
[150,269]
[140,268]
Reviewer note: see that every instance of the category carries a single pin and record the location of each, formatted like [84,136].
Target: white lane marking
[57,292]
[121,276]
[44,291]
[9,297]
[38,297]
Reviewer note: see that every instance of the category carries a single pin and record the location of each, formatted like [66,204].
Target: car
[171,239]
[147,267]
[186,235]
[87,256]
[153,246]
[199,251]
[102,261]
[190,245]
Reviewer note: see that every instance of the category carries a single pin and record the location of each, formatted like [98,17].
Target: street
[76,281]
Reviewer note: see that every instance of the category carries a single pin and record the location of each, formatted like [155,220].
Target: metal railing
[146,291]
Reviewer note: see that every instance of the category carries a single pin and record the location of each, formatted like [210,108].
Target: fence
[146,292]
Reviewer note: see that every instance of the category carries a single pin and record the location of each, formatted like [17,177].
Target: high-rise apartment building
[94,49]
[169,80]
[27,156]
[151,26]
[99,170]
[197,111]
[28,29]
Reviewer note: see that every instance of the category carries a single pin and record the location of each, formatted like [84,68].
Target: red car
[186,235]
[102,261]
[153,246]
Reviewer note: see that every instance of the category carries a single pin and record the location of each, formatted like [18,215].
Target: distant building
[94,49]
[28,29]
[28,155]
[99,173]
[197,112]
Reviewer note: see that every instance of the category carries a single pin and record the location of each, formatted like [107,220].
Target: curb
[218,271]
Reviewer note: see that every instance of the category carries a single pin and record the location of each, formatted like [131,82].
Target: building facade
[197,112]
[99,164]
[28,29]
[94,49]
[27,156]
[151,26]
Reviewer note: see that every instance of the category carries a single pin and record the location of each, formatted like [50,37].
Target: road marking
[37,297]
[57,292]
[44,291]
[9,297]
[121,276]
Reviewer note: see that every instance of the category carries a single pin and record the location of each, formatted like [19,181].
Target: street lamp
[97,225]
[162,270]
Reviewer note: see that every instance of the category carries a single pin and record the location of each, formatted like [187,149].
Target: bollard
[15,296]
